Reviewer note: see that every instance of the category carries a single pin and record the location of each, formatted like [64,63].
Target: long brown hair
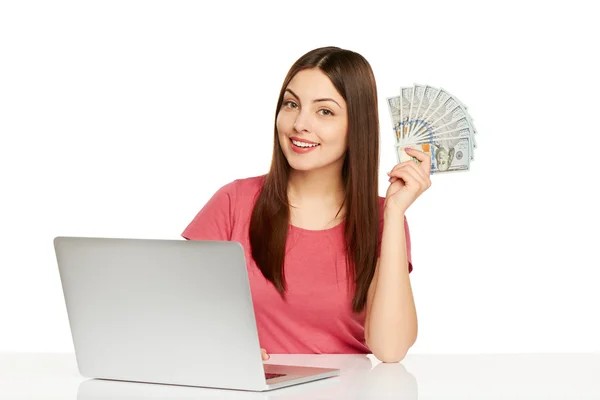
[353,78]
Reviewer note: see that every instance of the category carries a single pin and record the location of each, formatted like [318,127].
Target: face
[444,158]
[312,122]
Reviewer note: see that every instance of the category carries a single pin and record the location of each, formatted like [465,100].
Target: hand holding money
[408,180]
[436,123]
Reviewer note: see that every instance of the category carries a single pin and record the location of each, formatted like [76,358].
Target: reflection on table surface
[424,377]
[358,379]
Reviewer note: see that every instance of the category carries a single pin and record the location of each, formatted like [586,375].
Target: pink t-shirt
[317,316]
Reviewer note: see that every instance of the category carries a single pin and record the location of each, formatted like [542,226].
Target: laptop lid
[162,311]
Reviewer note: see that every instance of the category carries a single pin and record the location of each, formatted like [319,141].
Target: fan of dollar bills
[433,121]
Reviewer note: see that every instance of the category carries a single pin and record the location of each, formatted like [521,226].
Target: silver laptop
[167,311]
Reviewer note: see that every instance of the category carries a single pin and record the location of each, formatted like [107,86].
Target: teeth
[302,144]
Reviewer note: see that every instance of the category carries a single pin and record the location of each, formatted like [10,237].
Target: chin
[296,166]
[307,167]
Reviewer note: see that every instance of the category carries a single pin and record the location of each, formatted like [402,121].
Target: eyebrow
[315,100]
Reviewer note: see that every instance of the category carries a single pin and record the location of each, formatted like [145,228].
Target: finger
[424,158]
[398,167]
[265,355]
[410,163]
[423,178]
[405,179]
[418,169]
[402,164]
[424,173]
[410,177]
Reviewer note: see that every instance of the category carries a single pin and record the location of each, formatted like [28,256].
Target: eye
[327,112]
[290,104]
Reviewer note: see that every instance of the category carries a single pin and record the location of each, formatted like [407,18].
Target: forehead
[312,84]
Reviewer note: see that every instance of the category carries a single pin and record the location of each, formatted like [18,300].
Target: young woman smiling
[327,257]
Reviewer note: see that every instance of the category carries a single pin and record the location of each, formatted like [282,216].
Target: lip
[302,140]
[302,150]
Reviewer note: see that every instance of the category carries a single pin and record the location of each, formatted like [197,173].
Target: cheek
[342,135]
[334,132]
[278,122]
[284,121]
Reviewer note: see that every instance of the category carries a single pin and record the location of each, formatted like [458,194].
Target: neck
[318,185]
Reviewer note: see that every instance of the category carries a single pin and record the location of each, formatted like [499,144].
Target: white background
[122,118]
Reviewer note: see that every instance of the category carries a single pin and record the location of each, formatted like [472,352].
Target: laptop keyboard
[269,375]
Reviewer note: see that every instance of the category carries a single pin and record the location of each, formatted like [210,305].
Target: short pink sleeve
[407,235]
[214,220]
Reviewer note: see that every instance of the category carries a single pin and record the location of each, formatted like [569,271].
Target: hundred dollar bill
[449,111]
[431,94]
[446,155]
[442,134]
[412,110]
[406,109]
[466,110]
[423,115]
[438,109]
[429,104]
[455,119]
[394,108]
[449,120]
[419,98]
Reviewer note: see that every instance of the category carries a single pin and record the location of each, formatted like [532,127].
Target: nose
[302,122]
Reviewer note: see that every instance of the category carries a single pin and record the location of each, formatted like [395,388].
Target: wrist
[392,211]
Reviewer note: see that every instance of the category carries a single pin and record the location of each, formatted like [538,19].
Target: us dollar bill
[447,155]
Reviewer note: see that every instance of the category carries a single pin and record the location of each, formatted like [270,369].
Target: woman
[328,259]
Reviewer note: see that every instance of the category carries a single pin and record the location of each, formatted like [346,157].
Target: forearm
[392,317]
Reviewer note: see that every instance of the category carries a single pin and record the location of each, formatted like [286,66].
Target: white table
[545,376]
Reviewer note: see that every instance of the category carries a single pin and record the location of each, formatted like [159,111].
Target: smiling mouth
[303,145]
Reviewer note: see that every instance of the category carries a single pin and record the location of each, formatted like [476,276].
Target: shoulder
[231,203]
[239,195]
[244,189]
[250,184]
